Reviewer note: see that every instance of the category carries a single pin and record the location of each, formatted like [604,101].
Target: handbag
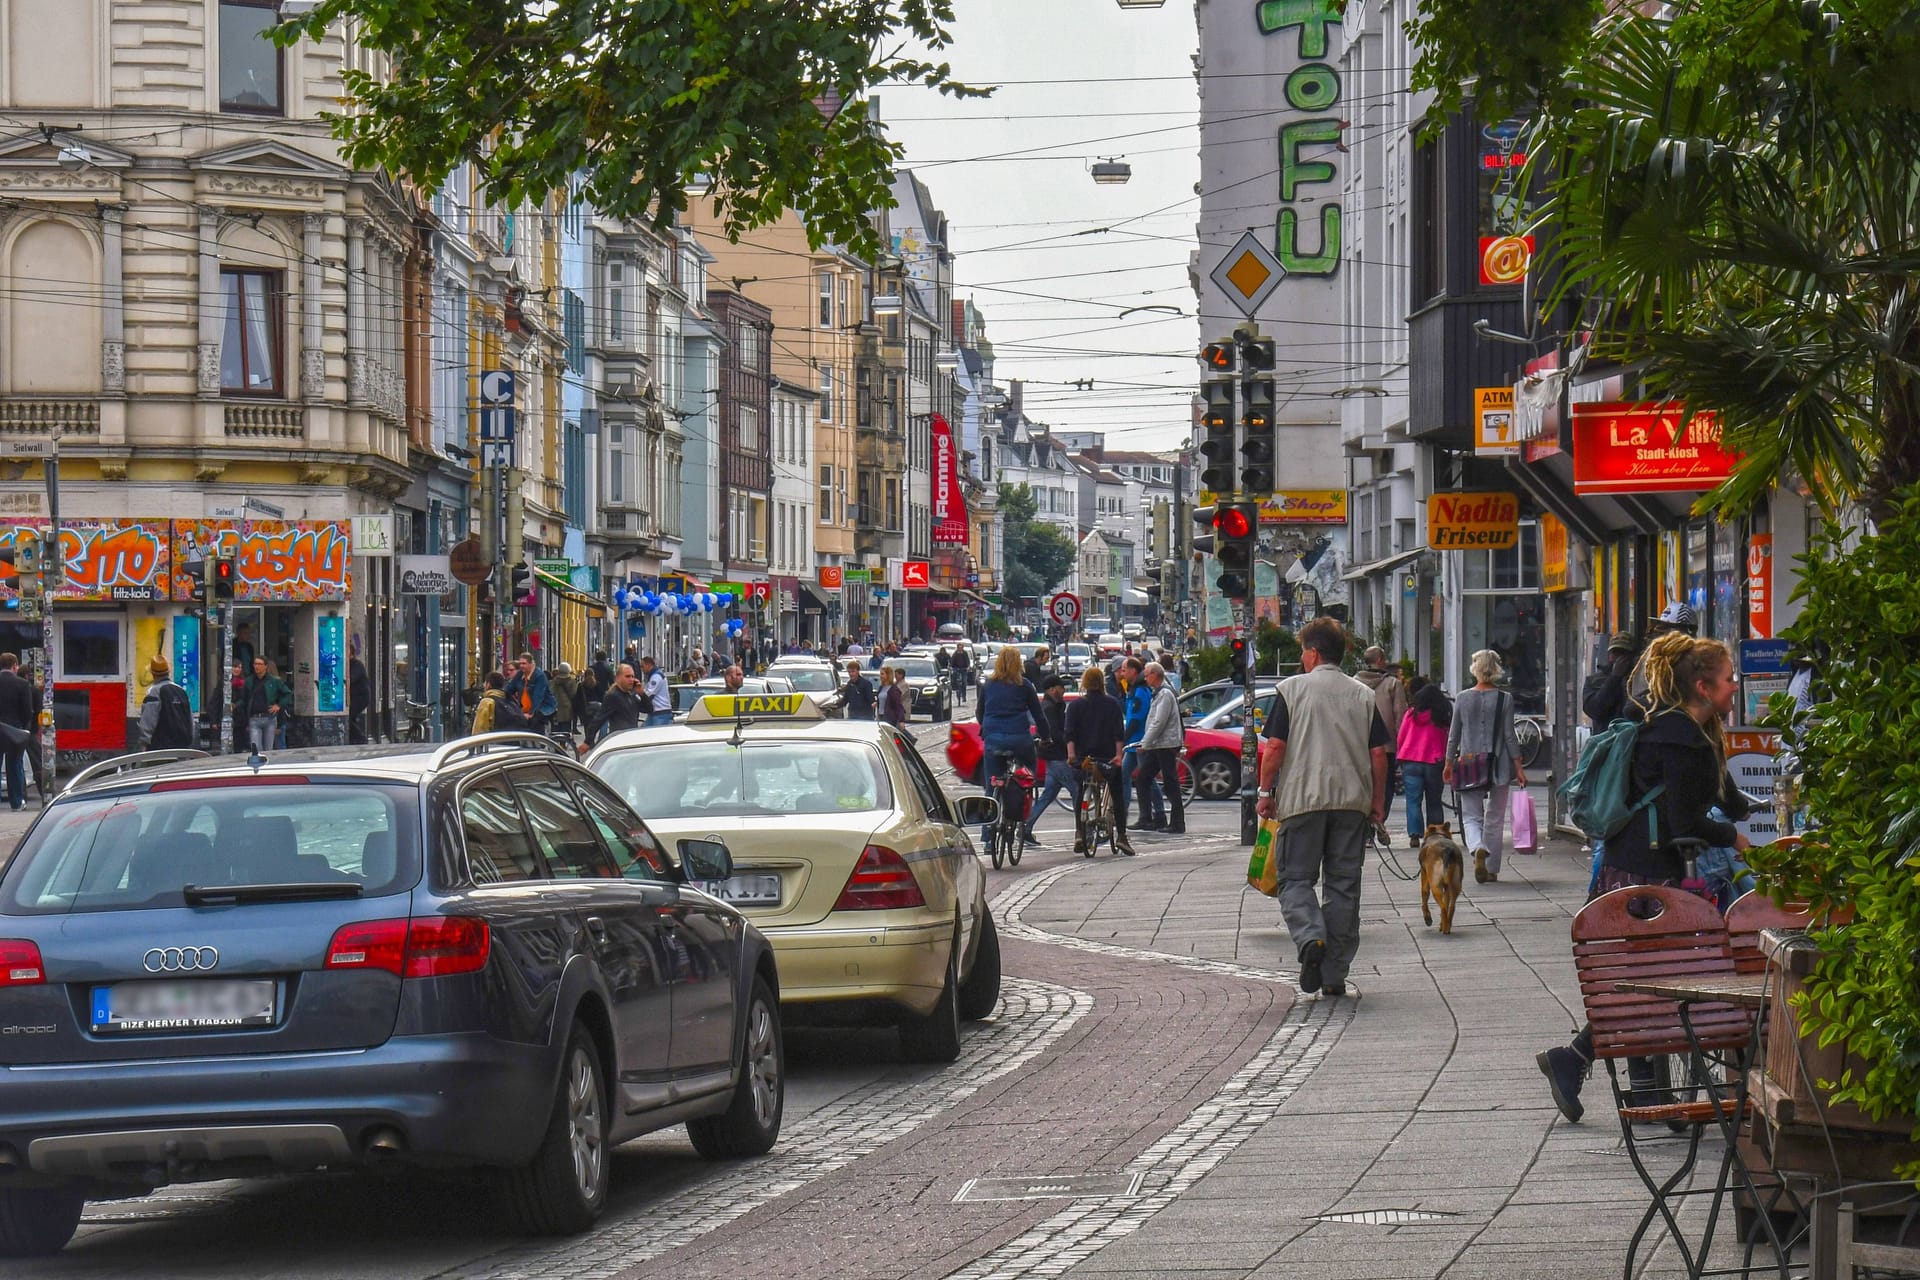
[1473,770]
[1263,868]
[12,737]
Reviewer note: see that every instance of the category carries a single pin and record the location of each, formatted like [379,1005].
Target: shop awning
[814,597]
[1133,598]
[596,608]
[1383,566]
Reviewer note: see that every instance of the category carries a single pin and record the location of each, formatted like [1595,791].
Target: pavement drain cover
[1385,1217]
[1072,1186]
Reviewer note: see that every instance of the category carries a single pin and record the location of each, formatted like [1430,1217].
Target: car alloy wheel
[1215,777]
[586,1131]
[763,1064]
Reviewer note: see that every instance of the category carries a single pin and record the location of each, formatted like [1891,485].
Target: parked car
[467,955]
[860,870]
[1203,699]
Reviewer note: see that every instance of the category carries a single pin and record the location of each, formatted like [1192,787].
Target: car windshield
[1079,651]
[914,668]
[118,853]
[809,679]
[766,779]
[748,684]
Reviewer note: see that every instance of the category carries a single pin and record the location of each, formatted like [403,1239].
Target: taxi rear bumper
[881,969]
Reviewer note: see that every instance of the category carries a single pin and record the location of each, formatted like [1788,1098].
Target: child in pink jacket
[1422,749]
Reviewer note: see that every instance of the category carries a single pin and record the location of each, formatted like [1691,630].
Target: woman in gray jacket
[1483,725]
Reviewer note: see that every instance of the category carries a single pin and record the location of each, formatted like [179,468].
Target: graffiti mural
[274,560]
[103,559]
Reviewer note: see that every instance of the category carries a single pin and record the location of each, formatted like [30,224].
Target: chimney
[959,323]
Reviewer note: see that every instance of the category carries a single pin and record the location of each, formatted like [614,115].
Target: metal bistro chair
[1652,933]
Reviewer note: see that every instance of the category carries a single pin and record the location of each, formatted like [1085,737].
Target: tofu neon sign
[1308,145]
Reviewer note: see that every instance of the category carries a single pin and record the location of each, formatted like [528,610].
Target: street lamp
[1167,307]
[1110,171]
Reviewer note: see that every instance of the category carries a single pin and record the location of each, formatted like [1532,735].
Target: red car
[1212,764]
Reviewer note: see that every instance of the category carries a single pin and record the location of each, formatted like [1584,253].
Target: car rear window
[808,679]
[922,669]
[120,853]
[753,780]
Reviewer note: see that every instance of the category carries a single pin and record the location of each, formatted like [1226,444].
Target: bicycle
[1532,735]
[1013,789]
[1093,824]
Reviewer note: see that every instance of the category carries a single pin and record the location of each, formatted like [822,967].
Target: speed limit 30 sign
[1065,608]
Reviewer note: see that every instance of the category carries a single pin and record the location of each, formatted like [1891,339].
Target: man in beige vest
[1325,781]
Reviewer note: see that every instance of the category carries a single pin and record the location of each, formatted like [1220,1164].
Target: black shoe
[1176,831]
[1335,989]
[1310,957]
[1027,837]
[1565,1071]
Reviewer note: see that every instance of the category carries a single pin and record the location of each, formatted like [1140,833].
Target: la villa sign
[1627,447]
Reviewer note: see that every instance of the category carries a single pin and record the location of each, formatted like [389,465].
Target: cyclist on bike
[1096,732]
[1009,716]
[1053,751]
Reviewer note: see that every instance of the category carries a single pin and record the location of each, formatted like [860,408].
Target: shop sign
[915,575]
[734,589]
[1493,426]
[1753,764]
[855,573]
[949,503]
[554,567]
[468,562]
[330,662]
[1553,554]
[1473,521]
[373,535]
[830,577]
[1632,447]
[1305,506]
[274,560]
[1760,586]
[426,575]
[585,577]
[102,559]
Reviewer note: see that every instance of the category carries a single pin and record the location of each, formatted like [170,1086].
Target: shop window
[90,649]
[250,65]
[250,348]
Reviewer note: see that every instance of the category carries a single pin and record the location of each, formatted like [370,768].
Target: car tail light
[20,963]
[881,881]
[423,947]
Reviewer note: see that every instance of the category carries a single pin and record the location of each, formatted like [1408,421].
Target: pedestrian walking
[1161,743]
[1036,669]
[894,708]
[1604,698]
[655,698]
[1483,763]
[1135,701]
[1325,783]
[961,666]
[1097,731]
[486,716]
[566,697]
[267,697]
[623,707]
[1422,746]
[530,690]
[1010,717]
[1052,750]
[1390,695]
[166,713]
[1681,749]
[857,694]
[17,718]
[359,697]
[603,670]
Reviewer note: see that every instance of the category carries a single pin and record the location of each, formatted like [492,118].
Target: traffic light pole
[1252,427]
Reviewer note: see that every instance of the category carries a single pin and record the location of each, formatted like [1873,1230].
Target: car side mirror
[971,810]
[705,860]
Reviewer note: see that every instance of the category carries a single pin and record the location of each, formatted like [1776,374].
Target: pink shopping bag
[1520,821]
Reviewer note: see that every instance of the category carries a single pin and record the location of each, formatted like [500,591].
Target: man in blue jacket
[529,691]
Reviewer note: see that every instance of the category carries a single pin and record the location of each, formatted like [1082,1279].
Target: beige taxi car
[846,855]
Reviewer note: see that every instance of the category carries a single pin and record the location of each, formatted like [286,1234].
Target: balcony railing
[265,421]
[49,418]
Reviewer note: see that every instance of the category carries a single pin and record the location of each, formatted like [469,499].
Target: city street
[1150,1039]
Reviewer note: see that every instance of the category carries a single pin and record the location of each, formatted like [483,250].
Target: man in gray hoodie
[1160,746]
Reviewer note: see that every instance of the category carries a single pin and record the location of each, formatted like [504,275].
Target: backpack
[174,727]
[1599,794]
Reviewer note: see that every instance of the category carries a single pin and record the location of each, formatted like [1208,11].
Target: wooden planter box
[1787,1089]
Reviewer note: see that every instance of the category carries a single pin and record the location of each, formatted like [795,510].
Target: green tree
[764,105]
[1039,555]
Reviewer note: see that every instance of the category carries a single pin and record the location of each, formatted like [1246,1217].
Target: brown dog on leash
[1443,866]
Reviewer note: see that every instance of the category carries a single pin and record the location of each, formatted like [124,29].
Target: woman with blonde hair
[1010,716]
[1483,763]
[1682,751]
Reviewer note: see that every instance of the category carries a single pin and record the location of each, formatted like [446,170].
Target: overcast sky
[1080,80]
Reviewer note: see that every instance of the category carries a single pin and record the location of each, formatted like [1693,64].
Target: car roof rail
[138,760]
[480,743]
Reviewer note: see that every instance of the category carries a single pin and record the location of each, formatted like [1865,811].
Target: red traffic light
[1232,522]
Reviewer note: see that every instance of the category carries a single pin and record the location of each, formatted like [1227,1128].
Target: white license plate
[208,1004]
[746,891]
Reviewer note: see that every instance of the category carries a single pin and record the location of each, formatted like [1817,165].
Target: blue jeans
[1153,806]
[997,758]
[657,718]
[17,777]
[1424,790]
[1061,776]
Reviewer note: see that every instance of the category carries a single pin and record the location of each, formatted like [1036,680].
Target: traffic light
[1256,354]
[1218,356]
[1237,649]
[1236,530]
[26,564]
[521,588]
[1216,444]
[1257,447]
[1203,543]
[220,579]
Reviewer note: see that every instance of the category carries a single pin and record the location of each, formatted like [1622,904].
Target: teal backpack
[1598,797]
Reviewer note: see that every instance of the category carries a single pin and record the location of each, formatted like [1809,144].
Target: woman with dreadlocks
[1682,748]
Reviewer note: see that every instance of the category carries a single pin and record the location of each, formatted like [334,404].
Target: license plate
[210,1004]
[746,891]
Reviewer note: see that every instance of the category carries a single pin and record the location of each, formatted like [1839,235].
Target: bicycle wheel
[993,845]
[1531,739]
[1013,845]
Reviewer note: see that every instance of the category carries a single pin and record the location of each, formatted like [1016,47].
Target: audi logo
[180,959]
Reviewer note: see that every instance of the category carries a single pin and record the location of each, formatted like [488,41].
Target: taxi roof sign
[732,706]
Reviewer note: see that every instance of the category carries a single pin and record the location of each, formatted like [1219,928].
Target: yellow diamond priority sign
[1248,273]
